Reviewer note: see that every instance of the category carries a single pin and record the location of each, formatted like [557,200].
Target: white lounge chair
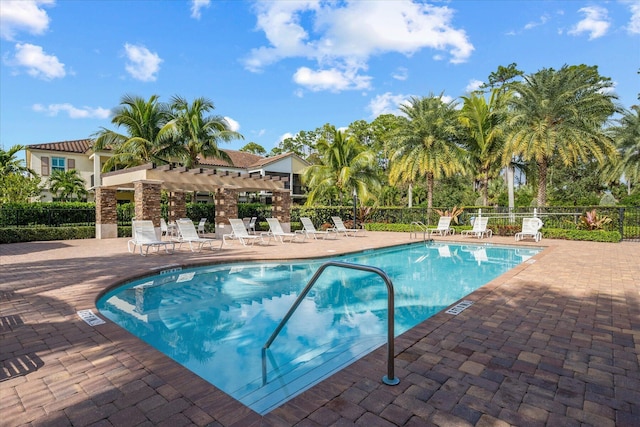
[276,231]
[251,228]
[187,233]
[144,235]
[479,228]
[340,228]
[310,230]
[201,224]
[443,228]
[530,228]
[238,231]
[164,228]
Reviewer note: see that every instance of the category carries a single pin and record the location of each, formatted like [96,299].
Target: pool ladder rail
[416,227]
[390,378]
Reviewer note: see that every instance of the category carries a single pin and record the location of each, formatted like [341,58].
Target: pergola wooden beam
[196,179]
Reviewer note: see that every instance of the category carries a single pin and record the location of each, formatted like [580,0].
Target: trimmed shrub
[35,234]
[584,235]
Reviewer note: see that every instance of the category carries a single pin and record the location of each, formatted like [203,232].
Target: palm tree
[197,134]
[560,113]
[18,183]
[482,123]
[148,136]
[346,166]
[627,138]
[67,184]
[9,164]
[425,144]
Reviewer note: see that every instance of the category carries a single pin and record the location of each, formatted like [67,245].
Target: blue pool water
[215,320]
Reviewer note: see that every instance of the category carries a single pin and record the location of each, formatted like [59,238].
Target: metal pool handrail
[420,226]
[390,378]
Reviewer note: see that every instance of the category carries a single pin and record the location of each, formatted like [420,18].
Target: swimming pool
[214,320]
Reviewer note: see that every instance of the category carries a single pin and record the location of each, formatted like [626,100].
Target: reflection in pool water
[214,320]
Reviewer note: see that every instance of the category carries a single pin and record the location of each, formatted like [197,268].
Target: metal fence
[626,220]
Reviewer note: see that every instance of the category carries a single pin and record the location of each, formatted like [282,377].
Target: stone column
[282,208]
[226,202]
[177,206]
[106,213]
[147,200]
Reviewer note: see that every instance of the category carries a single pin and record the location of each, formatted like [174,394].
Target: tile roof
[77,146]
[266,160]
[239,159]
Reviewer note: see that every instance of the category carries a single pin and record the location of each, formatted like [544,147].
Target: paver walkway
[553,342]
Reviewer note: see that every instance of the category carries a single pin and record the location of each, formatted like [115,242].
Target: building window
[57,164]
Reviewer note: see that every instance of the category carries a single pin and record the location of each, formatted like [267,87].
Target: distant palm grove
[558,137]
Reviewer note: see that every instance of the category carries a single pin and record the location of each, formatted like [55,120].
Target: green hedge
[585,235]
[34,234]
[50,214]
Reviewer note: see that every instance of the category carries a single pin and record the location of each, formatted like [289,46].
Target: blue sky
[277,67]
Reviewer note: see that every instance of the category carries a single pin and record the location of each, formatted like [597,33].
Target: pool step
[295,377]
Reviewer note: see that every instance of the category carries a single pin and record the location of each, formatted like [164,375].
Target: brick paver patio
[553,342]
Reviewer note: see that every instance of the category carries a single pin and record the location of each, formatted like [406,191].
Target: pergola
[148,180]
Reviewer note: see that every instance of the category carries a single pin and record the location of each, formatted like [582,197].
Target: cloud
[332,79]
[286,135]
[197,5]
[233,125]
[37,62]
[387,103]
[533,24]
[473,85]
[340,37]
[634,22]
[73,112]
[596,22]
[449,99]
[143,64]
[401,73]
[23,15]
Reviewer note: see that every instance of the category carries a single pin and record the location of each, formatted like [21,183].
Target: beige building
[79,155]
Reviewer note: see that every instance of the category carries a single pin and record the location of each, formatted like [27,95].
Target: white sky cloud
[23,15]
[197,6]
[387,103]
[447,99]
[331,79]
[38,63]
[142,63]
[233,125]
[285,136]
[73,112]
[533,24]
[341,38]
[401,73]
[634,22]
[473,85]
[596,22]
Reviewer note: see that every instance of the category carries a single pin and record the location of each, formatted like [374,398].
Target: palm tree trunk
[410,195]
[542,183]
[485,189]
[429,190]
